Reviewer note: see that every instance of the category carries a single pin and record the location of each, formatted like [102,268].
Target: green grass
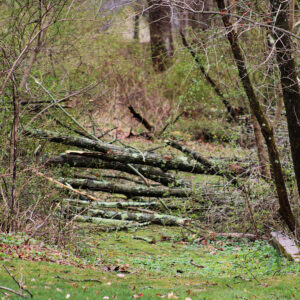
[219,269]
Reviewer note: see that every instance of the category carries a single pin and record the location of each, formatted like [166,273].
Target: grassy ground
[127,268]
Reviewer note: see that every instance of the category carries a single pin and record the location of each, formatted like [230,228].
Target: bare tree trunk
[160,34]
[289,81]
[267,130]
[261,150]
[136,28]
[13,159]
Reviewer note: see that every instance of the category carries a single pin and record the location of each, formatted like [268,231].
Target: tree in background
[161,38]
[283,19]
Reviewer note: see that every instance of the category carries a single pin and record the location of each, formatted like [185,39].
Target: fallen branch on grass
[20,285]
[77,280]
[12,291]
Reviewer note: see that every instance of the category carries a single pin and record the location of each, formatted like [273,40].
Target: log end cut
[286,246]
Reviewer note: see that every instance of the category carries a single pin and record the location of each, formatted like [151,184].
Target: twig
[234,112]
[11,291]
[141,119]
[18,283]
[164,204]
[168,123]
[78,280]
[147,211]
[64,111]
[145,239]
[139,174]
[55,103]
[65,186]
[196,265]
[250,211]
[106,132]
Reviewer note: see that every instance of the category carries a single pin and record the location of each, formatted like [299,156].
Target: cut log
[286,246]
[127,190]
[139,217]
[108,204]
[149,172]
[109,152]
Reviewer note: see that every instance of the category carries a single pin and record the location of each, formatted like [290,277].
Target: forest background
[138,84]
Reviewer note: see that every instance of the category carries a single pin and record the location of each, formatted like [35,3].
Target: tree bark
[261,150]
[127,190]
[289,81]
[160,34]
[109,152]
[139,217]
[196,156]
[118,224]
[267,131]
[97,204]
[149,172]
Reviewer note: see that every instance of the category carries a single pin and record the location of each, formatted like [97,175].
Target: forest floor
[117,265]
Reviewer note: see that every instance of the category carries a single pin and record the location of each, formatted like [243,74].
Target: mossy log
[138,217]
[118,224]
[127,190]
[118,204]
[231,175]
[110,152]
[152,173]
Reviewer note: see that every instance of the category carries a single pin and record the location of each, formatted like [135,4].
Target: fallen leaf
[135,296]
[172,296]
[161,296]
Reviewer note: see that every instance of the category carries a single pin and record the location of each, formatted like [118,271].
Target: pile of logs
[154,174]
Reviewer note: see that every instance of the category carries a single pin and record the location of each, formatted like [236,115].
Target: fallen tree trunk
[109,152]
[119,224]
[149,172]
[196,156]
[139,217]
[127,190]
[118,204]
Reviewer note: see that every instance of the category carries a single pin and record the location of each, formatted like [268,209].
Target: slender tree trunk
[261,150]
[289,81]
[136,28]
[160,34]
[267,131]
